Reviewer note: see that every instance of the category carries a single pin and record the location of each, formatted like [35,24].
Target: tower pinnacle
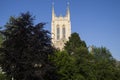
[68,10]
[53,12]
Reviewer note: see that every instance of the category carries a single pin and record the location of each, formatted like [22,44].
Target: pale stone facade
[60,29]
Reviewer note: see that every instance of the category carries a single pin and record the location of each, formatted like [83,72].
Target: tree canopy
[26,49]
[74,43]
[77,63]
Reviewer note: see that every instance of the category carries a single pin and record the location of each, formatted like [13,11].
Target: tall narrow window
[58,33]
[63,32]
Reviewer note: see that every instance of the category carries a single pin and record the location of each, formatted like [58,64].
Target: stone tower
[60,28]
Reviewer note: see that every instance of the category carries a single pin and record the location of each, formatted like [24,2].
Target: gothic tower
[60,28]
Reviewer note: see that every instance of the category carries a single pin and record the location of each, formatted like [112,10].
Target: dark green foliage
[71,67]
[73,43]
[25,50]
[1,39]
[63,63]
[66,67]
[3,76]
[105,64]
[102,53]
[76,63]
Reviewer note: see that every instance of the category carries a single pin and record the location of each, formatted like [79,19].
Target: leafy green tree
[26,49]
[84,63]
[72,64]
[102,53]
[66,67]
[105,66]
[73,43]
[76,63]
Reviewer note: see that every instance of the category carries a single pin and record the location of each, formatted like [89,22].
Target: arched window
[58,32]
[63,32]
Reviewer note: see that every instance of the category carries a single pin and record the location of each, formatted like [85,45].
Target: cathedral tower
[60,28]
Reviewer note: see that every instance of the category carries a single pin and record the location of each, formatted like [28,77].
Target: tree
[2,75]
[73,43]
[26,49]
[76,63]
[63,64]
[102,53]
[105,66]
[84,63]
[72,64]
[66,68]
